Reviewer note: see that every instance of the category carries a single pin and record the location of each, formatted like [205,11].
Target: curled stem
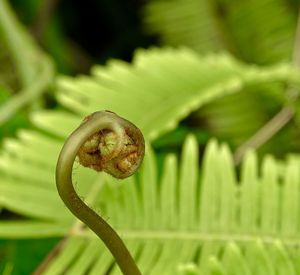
[104,142]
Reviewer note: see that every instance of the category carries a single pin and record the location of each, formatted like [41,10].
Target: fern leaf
[180,78]
[187,216]
[162,247]
[191,23]
[207,26]
[32,229]
[232,25]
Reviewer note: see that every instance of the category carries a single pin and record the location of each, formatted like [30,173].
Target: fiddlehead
[104,142]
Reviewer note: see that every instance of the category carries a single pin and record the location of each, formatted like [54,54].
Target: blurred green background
[75,35]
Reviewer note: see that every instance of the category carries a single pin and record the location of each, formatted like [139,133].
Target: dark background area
[81,33]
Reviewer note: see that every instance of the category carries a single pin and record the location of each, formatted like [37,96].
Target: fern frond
[191,23]
[181,79]
[207,26]
[213,25]
[185,215]
[194,216]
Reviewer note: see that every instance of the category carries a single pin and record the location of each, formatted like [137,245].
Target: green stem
[98,121]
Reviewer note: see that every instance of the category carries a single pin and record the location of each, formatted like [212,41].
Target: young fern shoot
[104,142]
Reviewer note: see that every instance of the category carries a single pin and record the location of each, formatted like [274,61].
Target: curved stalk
[109,162]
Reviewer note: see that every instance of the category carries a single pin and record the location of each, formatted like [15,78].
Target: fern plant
[179,218]
[219,25]
[232,25]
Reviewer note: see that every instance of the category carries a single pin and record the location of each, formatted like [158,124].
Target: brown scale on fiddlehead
[101,153]
[104,142]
